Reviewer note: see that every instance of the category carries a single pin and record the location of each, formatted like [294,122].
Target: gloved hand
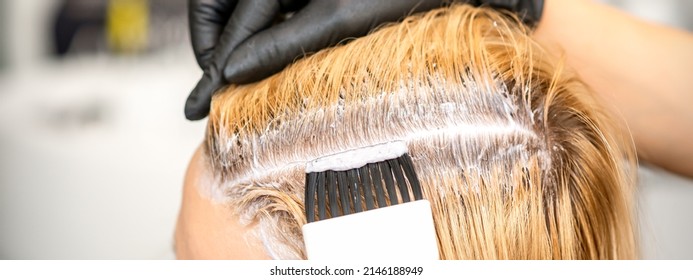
[242,41]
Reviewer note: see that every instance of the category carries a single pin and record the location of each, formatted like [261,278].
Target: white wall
[93,154]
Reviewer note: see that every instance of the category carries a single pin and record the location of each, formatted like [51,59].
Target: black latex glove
[242,41]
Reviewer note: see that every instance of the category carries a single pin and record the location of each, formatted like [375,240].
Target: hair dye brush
[367,204]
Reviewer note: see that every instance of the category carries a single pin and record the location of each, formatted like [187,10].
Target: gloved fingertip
[194,110]
[198,103]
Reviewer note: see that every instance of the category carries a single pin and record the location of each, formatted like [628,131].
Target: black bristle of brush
[393,178]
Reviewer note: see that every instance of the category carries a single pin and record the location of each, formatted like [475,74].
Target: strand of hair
[389,182]
[344,192]
[367,191]
[353,177]
[411,175]
[401,182]
[377,183]
[332,193]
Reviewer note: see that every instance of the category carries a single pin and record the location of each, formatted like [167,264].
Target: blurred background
[94,144]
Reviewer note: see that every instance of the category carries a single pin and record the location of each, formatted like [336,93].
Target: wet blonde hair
[516,156]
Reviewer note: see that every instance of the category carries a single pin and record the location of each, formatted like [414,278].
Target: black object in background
[73,18]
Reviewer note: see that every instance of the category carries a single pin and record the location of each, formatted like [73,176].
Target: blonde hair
[514,153]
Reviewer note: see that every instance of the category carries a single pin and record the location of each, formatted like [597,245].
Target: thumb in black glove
[249,46]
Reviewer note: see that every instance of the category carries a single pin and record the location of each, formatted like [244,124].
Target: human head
[513,151]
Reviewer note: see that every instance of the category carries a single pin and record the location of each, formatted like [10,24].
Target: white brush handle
[400,232]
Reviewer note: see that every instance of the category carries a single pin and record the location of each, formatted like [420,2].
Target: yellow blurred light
[127,25]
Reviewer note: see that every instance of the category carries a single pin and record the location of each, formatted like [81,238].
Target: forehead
[206,229]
